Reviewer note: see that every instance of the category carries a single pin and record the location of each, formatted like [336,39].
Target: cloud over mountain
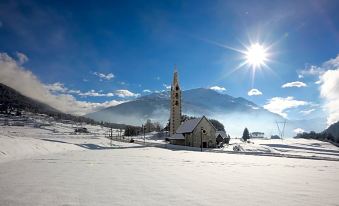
[254,92]
[146,91]
[14,75]
[279,105]
[22,58]
[218,89]
[125,93]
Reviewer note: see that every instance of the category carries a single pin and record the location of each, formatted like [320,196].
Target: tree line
[147,127]
[322,136]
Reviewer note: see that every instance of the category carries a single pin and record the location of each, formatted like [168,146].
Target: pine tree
[246,134]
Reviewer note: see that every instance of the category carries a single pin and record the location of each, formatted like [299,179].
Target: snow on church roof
[177,136]
[189,125]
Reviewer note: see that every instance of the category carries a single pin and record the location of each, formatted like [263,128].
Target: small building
[194,133]
[220,136]
[275,137]
[257,135]
[177,139]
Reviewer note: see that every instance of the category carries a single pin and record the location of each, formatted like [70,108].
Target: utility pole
[111,137]
[201,138]
[143,131]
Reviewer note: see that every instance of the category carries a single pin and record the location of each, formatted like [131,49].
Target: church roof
[177,136]
[189,125]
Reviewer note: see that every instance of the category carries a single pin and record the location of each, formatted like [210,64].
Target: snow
[54,166]
[188,126]
[17,142]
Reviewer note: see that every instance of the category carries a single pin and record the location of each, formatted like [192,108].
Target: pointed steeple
[175,77]
[175,119]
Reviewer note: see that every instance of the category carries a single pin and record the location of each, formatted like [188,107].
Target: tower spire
[175,76]
[175,119]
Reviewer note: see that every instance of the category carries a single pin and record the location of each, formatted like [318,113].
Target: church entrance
[204,145]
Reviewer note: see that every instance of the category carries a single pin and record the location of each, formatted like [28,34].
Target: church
[198,132]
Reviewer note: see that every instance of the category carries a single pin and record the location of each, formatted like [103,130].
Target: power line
[281,130]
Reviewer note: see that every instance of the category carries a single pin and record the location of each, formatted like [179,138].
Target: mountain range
[235,113]
[12,101]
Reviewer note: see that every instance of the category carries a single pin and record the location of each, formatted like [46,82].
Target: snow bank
[12,148]
[136,175]
[18,142]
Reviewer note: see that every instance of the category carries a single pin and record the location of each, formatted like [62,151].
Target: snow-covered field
[53,166]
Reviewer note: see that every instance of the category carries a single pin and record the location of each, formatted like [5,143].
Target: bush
[131,131]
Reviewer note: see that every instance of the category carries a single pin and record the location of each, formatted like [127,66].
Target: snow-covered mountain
[234,113]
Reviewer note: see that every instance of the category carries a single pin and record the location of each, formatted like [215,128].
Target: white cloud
[318,82]
[22,58]
[123,93]
[300,76]
[84,107]
[146,91]
[294,84]
[92,93]
[56,87]
[332,63]
[329,90]
[72,91]
[307,112]
[167,86]
[298,130]
[254,92]
[24,81]
[218,89]
[107,76]
[311,71]
[59,88]
[279,105]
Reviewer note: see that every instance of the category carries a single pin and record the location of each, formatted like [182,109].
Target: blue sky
[137,43]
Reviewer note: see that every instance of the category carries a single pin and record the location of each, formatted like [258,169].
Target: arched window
[176,103]
[177,88]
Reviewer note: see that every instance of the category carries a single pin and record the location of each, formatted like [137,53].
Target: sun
[256,55]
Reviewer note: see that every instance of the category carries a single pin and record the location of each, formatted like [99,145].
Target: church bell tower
[175,109]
